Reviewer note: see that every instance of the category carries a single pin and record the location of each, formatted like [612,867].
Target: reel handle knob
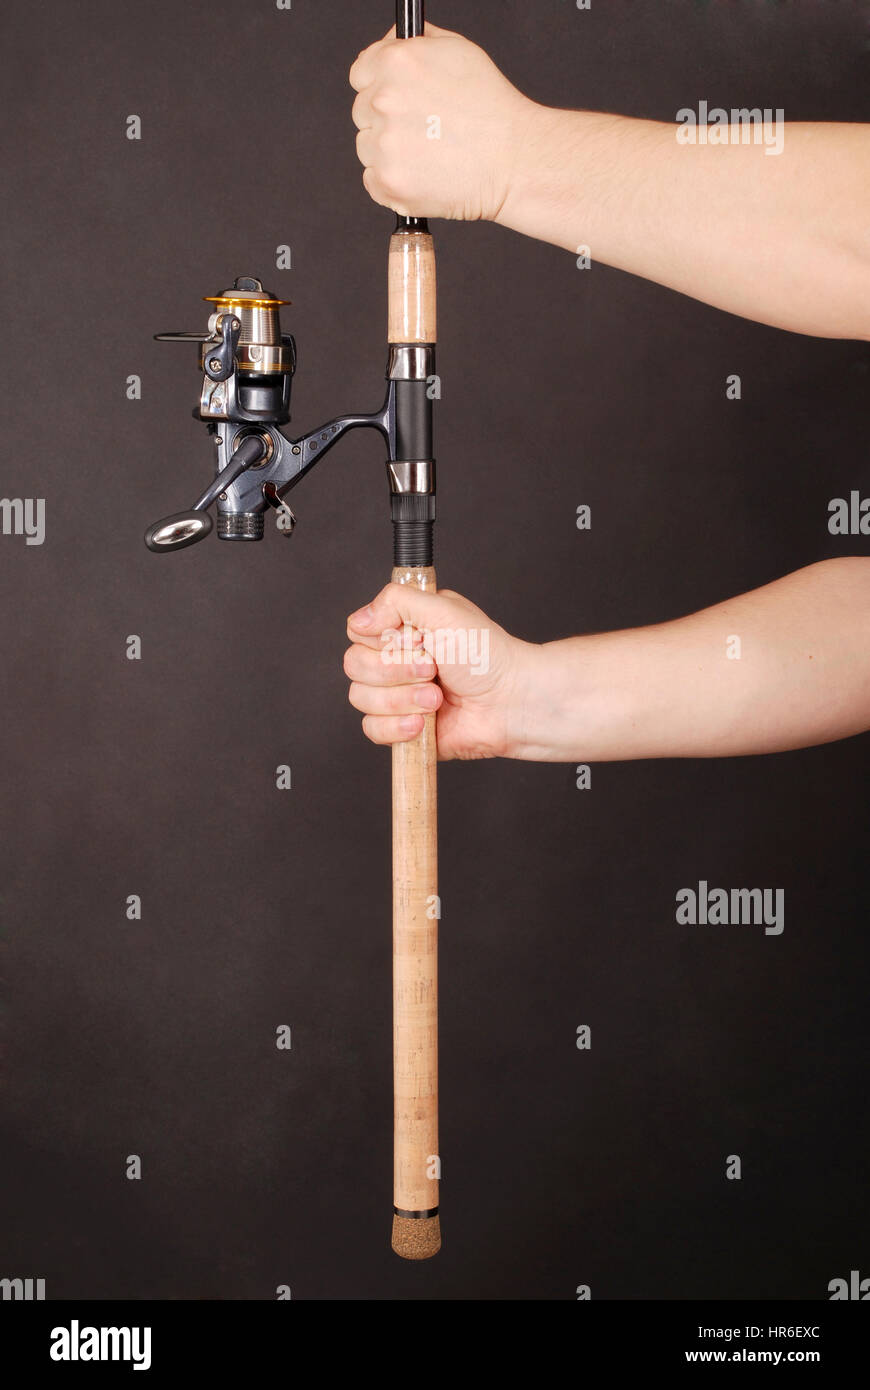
[177,531]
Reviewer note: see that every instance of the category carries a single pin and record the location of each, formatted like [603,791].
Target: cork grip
[411,277]
[416,1229]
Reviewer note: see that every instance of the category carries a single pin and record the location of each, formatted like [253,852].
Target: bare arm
[782,238]
[785,666]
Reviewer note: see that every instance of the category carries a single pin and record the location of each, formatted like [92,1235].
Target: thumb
[401,605]
[363,70]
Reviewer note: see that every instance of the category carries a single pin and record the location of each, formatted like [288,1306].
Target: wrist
[583,698]
[522,691]
[535,164]
[548,702]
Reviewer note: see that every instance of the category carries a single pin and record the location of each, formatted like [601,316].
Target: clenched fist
[440,128]
[415,653]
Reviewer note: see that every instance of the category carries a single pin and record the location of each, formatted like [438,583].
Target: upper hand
[439,126]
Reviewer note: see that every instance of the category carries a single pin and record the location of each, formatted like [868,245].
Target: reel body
[248,366]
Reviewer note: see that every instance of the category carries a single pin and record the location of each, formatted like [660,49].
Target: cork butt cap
[416,1239]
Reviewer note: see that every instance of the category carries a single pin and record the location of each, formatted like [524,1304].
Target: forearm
[784,239]
[785,666]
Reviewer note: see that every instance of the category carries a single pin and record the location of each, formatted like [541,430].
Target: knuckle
[373,728]
[385,99]
[359,76]
[396,58]
[373,186]
[392,178]
[386,601]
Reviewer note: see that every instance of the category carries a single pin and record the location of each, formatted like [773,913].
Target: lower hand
[416,652]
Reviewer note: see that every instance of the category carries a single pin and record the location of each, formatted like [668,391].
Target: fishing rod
[248,365]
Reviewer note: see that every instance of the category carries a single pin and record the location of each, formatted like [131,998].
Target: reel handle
[186,528]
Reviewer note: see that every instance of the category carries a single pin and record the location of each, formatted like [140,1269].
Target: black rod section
[410,23]
[409,19]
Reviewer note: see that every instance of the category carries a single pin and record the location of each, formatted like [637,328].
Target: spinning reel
[248,366]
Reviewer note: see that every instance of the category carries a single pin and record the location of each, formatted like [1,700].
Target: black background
[260,907]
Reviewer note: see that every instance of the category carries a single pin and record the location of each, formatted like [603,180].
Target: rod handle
[416,1226]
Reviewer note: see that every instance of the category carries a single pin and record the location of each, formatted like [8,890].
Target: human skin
[799,674]
[783,239]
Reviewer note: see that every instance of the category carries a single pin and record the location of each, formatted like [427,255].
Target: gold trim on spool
[245,303]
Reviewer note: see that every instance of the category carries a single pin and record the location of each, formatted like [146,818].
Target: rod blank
[409,19]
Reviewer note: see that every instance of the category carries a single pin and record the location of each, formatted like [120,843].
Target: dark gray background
[264,907]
